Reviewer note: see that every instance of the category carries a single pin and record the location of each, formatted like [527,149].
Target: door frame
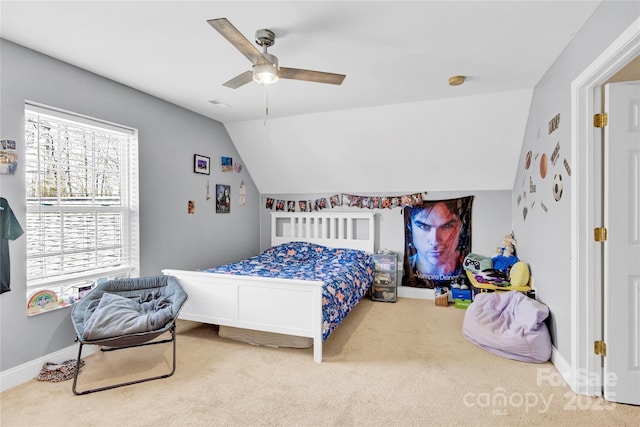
[586,293]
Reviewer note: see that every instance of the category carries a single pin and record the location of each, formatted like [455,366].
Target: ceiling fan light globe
[265,74]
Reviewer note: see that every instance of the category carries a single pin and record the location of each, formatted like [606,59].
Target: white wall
[431,145]
[544,235]
[169,136]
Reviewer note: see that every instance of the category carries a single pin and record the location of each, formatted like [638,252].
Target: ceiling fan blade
[310,76]
[240,42]
[239,80]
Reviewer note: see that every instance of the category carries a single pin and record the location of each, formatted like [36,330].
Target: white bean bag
[509,324]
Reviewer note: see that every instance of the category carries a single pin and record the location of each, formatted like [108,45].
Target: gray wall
[545,235]
[169,136]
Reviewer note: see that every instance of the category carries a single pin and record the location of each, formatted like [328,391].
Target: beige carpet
[402,364]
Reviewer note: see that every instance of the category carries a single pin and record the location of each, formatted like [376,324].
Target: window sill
[65,291]
[52,306]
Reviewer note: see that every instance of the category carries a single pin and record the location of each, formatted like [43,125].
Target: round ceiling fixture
[266,74]
[456,80]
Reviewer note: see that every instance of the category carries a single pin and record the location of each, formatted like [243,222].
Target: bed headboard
[354,230]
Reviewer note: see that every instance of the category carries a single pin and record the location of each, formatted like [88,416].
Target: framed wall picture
[201,164]
[226,164]
[8,156]
[223,198]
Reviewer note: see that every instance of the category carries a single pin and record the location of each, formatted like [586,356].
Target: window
[82,213]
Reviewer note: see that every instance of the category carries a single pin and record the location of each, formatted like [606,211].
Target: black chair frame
[172,330]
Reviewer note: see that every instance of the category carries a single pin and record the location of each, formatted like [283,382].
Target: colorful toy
[506,254]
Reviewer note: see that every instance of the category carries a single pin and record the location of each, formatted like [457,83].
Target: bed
[295,305]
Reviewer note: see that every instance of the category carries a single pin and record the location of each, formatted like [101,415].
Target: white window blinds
[81,187]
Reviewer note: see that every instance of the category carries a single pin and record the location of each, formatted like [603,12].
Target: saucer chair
[125,313]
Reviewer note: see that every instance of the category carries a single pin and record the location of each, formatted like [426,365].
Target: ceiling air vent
[218,103]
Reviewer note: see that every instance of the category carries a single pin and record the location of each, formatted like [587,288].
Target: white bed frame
[285,306]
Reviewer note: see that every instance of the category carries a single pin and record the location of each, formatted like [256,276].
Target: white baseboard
[563,367]
[30,370]
[578,380]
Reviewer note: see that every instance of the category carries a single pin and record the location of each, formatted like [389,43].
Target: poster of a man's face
[437,238]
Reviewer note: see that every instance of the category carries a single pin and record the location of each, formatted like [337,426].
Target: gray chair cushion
[121,293]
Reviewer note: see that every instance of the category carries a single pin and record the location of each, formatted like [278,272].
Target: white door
[622,247]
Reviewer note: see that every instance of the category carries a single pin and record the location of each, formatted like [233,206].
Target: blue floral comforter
[346,273]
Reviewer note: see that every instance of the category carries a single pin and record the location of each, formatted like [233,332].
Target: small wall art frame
[201,164]
[223,198]
[226,164]
[8,156]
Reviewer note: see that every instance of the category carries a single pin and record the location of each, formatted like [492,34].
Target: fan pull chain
[266,106]
[266,115]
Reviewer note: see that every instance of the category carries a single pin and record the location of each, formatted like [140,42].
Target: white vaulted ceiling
[393,125]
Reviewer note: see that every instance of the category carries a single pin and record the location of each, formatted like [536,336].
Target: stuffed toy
[506,254]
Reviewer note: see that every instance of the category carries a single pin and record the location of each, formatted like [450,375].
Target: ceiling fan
[265,68]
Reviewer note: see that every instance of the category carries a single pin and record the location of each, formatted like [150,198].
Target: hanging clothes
[9,230]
